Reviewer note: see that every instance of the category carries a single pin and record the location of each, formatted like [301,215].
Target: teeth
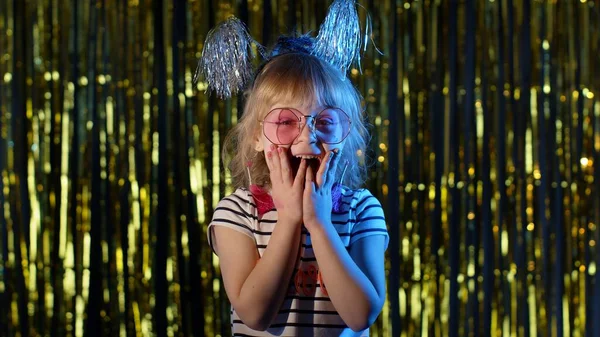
[307,157]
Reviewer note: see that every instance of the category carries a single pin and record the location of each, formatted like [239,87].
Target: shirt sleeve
[235,212]
[370,219]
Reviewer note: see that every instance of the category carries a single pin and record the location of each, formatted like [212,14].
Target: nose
[308,132]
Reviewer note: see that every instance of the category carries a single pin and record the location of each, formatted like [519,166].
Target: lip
[307,154]
[318,156]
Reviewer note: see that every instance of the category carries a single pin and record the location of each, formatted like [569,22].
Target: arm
[359,272]
[256,287]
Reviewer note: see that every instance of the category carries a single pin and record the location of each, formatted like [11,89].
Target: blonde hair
[296,78]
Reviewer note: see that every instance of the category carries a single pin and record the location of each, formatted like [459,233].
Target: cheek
[266,144]
[261,143]
[331,147]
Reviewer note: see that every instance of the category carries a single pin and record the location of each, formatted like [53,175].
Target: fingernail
[269,154]
[279,149]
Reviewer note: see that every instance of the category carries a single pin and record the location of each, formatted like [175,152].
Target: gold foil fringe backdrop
[486,140]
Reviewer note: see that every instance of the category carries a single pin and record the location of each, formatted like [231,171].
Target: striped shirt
[306,310]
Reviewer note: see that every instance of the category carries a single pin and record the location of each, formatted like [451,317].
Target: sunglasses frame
[301,126]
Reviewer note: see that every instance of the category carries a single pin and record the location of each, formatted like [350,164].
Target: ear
[258,144]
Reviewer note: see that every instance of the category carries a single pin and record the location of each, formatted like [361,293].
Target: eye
[286,122]
[325,121]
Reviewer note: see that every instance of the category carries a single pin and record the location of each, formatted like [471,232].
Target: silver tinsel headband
[226,62]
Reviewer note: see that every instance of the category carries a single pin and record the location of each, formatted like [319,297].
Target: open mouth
[313,161]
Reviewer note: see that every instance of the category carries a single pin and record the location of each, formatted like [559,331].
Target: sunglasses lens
[281,126]
[332,126]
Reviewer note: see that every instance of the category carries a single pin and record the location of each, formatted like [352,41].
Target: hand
[286,190]
[316,201]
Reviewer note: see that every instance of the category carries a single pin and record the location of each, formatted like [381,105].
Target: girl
[301,248]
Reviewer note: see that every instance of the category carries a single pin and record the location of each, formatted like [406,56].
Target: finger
[269,160]
[323,169]
[333,166]
[284,164]
[276,165]
[309,182]
[301,174]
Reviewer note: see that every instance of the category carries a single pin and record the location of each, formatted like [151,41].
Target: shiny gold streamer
[110,167]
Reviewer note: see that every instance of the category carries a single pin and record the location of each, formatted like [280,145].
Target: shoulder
[239,201]
[240,195]
[237,208]
[359,198]
[235,211]
[366,214]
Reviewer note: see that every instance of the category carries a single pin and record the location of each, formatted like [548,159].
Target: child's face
[308,131]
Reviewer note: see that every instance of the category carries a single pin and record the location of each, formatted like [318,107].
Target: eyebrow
[316,111]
